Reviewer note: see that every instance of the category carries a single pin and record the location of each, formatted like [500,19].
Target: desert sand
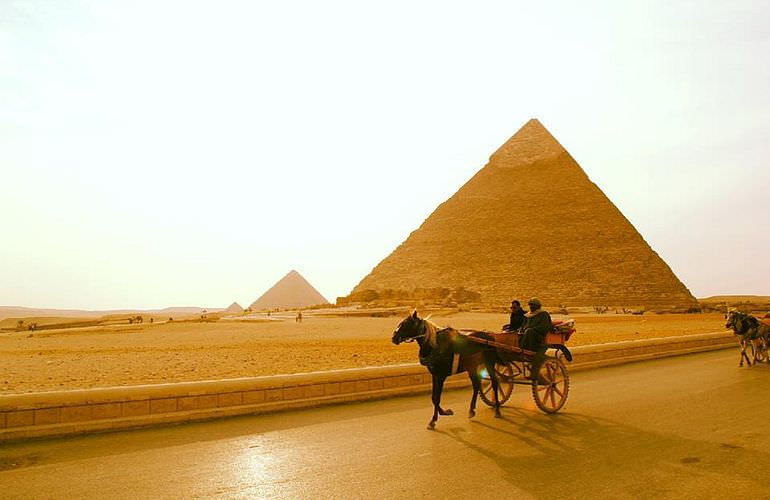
[187,351]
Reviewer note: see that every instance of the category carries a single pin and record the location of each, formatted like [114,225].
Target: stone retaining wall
[46,414]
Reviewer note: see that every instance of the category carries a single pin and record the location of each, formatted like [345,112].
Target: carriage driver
[538,323]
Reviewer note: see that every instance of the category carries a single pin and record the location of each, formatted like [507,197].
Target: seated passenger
[517,317]
[537,325]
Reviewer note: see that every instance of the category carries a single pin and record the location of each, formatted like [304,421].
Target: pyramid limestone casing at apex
[531,223]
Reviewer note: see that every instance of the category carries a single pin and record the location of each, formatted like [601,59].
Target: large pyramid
[290,292]
[531,223]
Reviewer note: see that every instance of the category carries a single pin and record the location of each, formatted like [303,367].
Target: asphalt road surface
[687,427]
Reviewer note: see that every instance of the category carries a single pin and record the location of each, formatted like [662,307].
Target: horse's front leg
[746,354]
[442,411]
[435,398]
[438,385]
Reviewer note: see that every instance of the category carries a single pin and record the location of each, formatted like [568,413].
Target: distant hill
[737,298]
[746,303]
[291,291]
[29,312]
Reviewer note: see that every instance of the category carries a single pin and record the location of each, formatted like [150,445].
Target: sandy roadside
[139,354]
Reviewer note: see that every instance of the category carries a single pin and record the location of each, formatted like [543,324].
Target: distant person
[298,319]
[538,323]
[518,316]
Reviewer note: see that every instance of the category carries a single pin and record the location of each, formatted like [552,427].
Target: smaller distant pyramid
[291,291]
[234,308]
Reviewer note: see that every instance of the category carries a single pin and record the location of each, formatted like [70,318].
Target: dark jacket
[535,328]
[518,318]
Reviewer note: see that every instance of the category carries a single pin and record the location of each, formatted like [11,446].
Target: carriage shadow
[579,456]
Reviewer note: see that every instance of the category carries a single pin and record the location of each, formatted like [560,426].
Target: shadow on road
[572,455]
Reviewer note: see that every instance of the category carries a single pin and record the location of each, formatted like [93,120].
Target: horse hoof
[432,426]
[471,414]
[447,412]
[498,415]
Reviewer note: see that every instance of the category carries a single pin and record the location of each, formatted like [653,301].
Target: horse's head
[408,329]
[729,319]
[740,322]
[733,321]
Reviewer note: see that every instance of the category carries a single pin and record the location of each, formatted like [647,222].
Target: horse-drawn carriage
[550,387]
[493,361]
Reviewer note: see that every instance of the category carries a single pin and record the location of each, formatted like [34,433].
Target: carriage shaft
[504,347]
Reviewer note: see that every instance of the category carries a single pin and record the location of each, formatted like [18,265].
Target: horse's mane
[743,315]
[431,330]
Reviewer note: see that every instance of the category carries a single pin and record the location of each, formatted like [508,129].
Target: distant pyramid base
[530,223]
[290,292]
[457,297]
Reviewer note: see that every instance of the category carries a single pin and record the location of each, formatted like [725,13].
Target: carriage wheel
[506,372]
[551,389]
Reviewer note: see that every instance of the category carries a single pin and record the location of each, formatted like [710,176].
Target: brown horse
[445,352]
[751,333]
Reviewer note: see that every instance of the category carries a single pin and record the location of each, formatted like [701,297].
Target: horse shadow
[578,456]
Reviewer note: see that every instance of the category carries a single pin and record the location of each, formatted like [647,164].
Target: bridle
[412,339]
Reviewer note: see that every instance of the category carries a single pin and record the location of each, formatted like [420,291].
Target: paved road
[688,427]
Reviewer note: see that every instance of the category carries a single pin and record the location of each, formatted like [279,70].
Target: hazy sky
[157,153]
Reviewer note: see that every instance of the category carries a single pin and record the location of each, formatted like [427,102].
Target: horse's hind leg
[490,364]
[476,383]
[743,354]
[435,398]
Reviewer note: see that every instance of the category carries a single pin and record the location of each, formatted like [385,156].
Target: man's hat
[534,301]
